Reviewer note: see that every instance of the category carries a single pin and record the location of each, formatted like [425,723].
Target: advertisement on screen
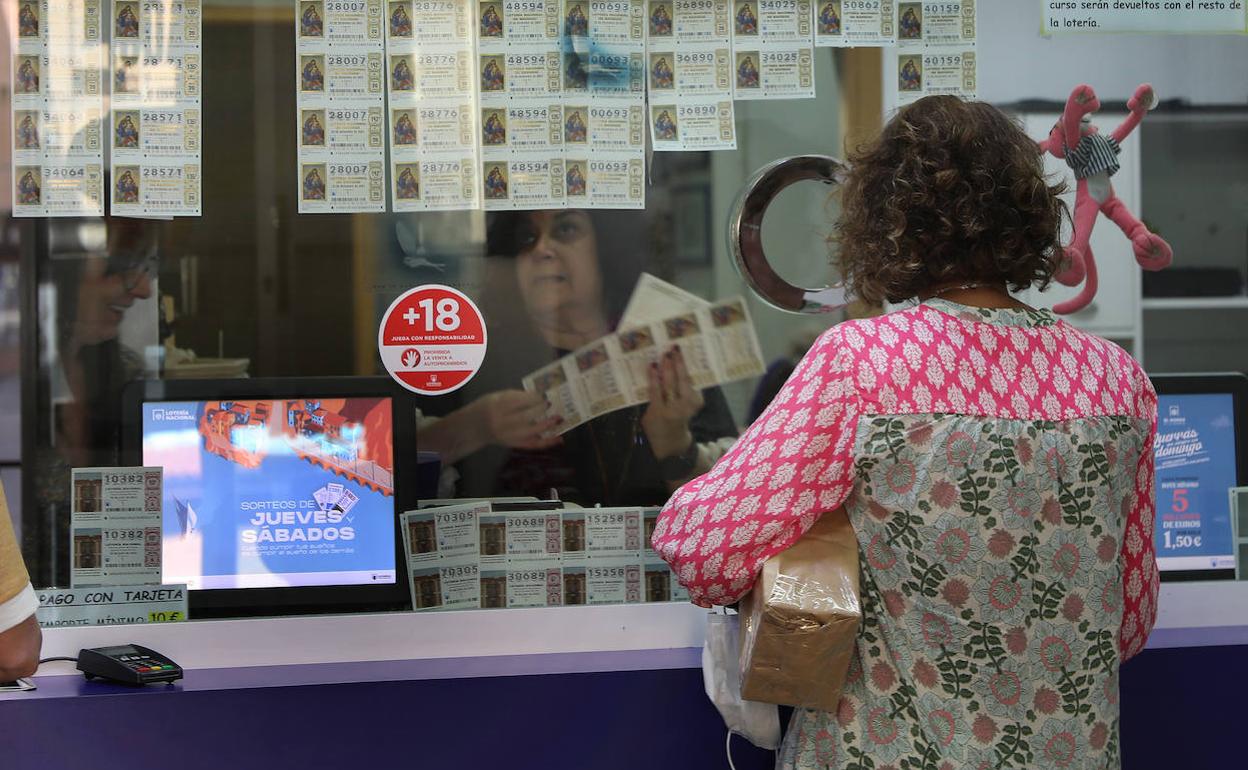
[275,493]
[1195,461]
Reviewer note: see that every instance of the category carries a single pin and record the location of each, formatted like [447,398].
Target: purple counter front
[623,705]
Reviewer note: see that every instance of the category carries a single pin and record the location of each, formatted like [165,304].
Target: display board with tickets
[496,554]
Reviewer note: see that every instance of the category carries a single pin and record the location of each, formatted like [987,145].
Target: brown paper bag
[800,623]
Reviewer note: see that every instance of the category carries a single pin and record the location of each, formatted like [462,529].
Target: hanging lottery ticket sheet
[945,23]
[856,23]
[604,48]
[689,74]
[605,180]
[692,124]
[432,114]
[936,49]
[57,109]
[521,110]
[115,526]
[689,48]
[339,52]
[935,70]
[773,49]
[155,125]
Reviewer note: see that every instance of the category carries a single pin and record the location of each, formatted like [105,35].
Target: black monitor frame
[1215,383]
[303,600]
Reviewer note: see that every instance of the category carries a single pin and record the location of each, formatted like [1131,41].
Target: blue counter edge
[249,677]
[298,675]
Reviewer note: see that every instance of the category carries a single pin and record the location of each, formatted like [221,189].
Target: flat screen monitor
[1201,452]
[280,496]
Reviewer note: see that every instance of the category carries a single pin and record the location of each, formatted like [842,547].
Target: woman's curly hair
[950,191]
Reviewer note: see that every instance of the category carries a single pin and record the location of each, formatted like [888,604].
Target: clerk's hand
[673,403]
[516,419]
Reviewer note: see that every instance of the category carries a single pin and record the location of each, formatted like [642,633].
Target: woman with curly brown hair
[996,463]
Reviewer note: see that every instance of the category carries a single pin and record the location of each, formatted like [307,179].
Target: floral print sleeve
[793,464]
[1141,581]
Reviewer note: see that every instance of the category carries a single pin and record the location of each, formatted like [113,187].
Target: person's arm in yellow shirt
[20,638]
[19,650]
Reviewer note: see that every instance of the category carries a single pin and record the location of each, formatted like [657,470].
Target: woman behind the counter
[996,464]
[558,280]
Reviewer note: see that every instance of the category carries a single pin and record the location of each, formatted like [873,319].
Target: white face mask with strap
[759,723]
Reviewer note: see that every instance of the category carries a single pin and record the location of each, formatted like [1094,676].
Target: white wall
[1016,62]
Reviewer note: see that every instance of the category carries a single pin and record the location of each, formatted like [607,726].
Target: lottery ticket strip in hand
[717,340]
[475,556]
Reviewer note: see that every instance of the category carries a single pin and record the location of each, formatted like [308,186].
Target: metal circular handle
[745,234]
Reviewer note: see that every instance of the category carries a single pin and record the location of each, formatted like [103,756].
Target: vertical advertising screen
[1195,466]
[275,493]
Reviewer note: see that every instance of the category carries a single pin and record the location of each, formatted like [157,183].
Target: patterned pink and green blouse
[997,466]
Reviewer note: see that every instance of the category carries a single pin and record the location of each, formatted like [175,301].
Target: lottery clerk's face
[104,297]
[557,266]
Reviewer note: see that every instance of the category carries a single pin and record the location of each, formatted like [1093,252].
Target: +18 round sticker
[432,339]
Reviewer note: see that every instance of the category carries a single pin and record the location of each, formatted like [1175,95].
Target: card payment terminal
[128,664]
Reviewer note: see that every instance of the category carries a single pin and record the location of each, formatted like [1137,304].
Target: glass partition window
[254,290]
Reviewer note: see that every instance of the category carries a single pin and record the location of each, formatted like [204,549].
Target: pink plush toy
[1094,159]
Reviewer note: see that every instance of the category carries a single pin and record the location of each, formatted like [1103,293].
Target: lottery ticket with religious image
[154,133]
[435,182]
[941,23]
[857,23]
[688,21]
[341,87]
[687,332]
[697,70]
[432,118]
[590,127]
[328,131]
[605,22]
[776,71]
[347,183]
[692,124]
[156,188]
[773,56]
[341,77]
[936,70]
[155,123]
[612,180]
[731,329]
[561,390]
[636,349]
[523,125]
[57,109]
[157,23]
[503,24]
[531,181]
[600,378]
